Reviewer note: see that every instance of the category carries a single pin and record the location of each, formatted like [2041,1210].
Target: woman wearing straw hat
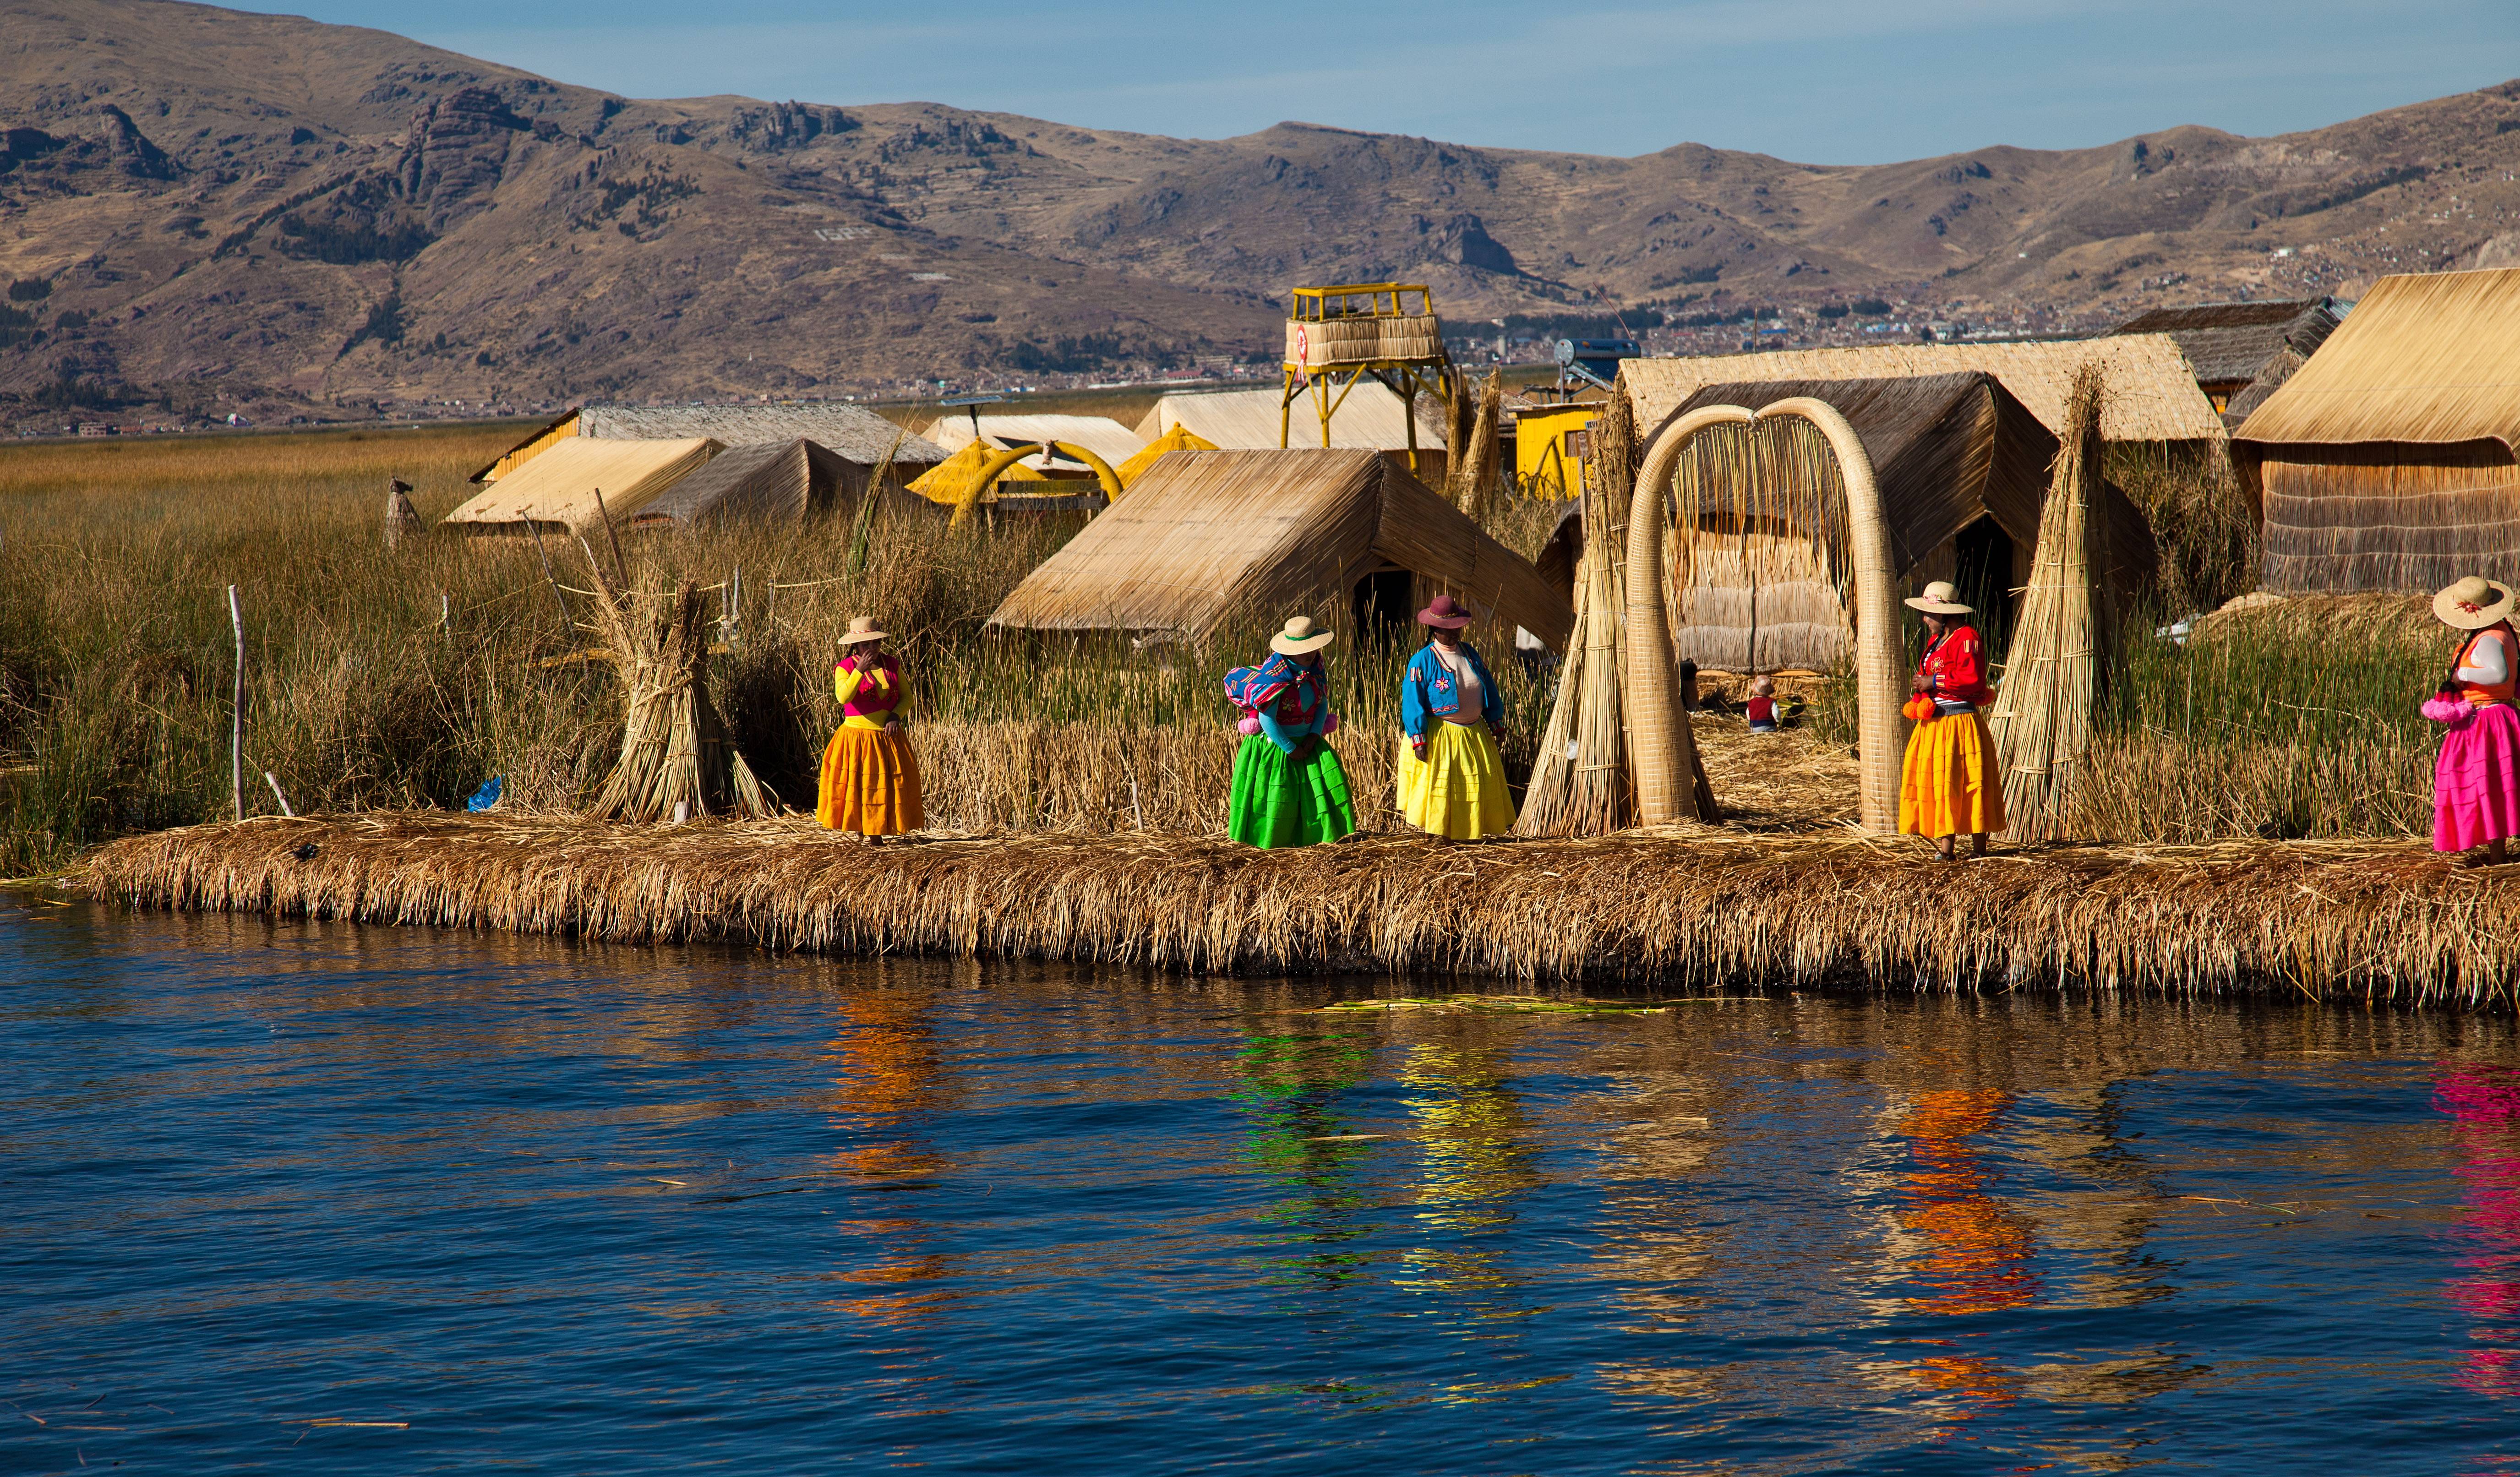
[1452,779]
[2476,781]
[1950,782]
[870,775]
[1288,788]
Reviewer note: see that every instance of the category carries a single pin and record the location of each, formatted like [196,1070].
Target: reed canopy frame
[1818,437]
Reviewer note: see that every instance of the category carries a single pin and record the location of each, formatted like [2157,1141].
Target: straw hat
[2472,604]
[1299,637]
[1940,599]
[1445,613]
[862,628]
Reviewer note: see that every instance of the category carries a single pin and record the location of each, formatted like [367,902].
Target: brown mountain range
[239,209]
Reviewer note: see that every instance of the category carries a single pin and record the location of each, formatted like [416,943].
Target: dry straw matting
[1701,908]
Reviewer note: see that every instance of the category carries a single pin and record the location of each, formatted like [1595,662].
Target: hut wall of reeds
[2386,462]
[557,489]
[1757,565]
[1369,418]
[1206,534]
[2153,398]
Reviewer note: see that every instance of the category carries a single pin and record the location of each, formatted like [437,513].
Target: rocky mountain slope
[230,209]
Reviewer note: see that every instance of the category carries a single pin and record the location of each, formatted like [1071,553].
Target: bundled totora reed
[2383,921]
[1579,782]
[676,760]
[2042,721]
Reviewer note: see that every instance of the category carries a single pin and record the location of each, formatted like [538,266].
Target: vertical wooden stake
[236,727]
[272,779]
[620,571]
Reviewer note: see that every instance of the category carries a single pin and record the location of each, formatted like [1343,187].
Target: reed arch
[996,467]
[1806,477]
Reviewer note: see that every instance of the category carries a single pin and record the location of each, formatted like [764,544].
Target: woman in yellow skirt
[1950,783]
[870,775]
[1452,779]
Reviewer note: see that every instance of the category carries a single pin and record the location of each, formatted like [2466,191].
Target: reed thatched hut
[2386,463]
[765,482]
[1371,418]
[1961,465]
[555,491]
[857,437]
[1206,535]
[2154,405]
[2242,348]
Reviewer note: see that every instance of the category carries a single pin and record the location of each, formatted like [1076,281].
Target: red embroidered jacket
[1957,668]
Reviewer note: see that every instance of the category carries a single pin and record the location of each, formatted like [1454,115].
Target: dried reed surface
[2384,921]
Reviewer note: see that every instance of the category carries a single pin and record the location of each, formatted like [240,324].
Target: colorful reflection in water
[1976,1250]
[886,1088]
[2483,1102]
[307,1199]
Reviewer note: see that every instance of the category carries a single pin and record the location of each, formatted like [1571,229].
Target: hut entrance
[1983,571]
[1383,606]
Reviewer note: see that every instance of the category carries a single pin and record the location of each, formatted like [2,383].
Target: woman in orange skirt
[870,775]
[1950,784]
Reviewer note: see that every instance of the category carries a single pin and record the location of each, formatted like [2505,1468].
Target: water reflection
[887,1088]
[260,1175]
[1969,1250]
[2484,1104]
[1289,1090]
[1474,1159]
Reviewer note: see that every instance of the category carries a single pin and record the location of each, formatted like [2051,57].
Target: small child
[1762,706]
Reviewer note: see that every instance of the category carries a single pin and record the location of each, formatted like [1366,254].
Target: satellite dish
[1566,354]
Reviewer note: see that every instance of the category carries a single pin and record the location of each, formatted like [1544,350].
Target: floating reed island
[1674,908]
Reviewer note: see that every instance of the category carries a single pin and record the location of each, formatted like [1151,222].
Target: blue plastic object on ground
[487,795]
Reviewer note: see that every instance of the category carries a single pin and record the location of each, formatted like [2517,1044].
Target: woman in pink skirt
[2476,782]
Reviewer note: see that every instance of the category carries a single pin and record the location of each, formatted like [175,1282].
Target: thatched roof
[1179,438]
[1101,436]
[1369,418]
[2153,394]
[852,433]
[2229,342]
[1206,533]
[771,482]
[1946,450]
[558,486]
[2421,359]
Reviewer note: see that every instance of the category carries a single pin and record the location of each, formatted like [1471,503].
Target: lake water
[317,1198]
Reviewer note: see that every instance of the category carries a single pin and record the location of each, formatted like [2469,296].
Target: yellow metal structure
[1337,336]
[1548,449]
[997,466]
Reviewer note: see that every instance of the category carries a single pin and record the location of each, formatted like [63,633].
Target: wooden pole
[536,530]
[236,725]
[620,571]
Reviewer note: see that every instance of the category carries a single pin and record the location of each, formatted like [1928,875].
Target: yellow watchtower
[1338,335]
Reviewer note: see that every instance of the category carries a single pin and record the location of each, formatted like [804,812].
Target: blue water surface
[318,1198]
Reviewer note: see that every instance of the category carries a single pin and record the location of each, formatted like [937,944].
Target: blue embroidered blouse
[1428,692]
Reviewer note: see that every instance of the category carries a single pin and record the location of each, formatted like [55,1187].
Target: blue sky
[1822,81]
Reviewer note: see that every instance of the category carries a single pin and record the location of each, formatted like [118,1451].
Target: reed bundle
[1476,462]
[676,761]
[1580,779]
[2041,720]
[1692,906]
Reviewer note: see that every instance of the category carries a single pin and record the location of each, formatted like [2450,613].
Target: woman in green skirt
[1288,789]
